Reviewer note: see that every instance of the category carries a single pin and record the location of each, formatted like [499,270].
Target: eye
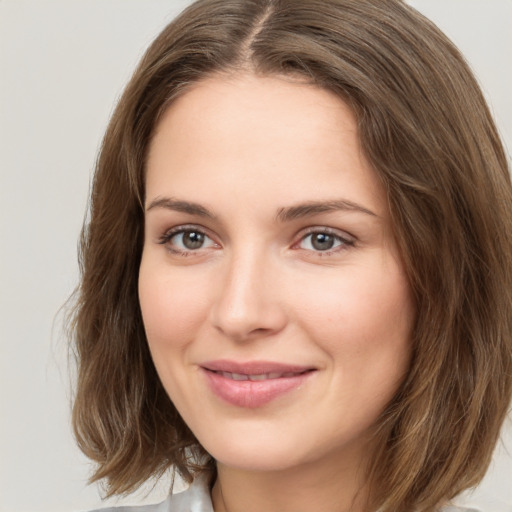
[324,241]
[190,240]
[185,240]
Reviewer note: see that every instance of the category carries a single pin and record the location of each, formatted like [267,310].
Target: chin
[259,462]
[249,453]
[264,453]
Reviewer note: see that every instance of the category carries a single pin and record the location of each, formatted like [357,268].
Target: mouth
[270,369]
[253,384]
[259,376]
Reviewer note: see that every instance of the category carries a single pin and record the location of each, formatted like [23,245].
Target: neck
[326,487]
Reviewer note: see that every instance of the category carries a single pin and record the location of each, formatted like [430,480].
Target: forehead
[265,106]
[269,135]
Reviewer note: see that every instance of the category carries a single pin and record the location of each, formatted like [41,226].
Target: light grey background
[63,64]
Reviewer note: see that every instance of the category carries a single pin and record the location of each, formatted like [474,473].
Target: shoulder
[459,509]
[195,499]
[159,507]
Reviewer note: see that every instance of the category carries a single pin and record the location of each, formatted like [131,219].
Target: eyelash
[180,230]
[345,242]
[342,241]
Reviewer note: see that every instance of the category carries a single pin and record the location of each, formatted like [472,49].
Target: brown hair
[425,127]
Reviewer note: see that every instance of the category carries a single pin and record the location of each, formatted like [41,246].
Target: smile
[258,377]
[254,384]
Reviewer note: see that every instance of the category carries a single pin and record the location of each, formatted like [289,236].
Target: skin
[257,287]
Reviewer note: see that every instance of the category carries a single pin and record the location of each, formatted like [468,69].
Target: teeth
[235,376]
[260,376]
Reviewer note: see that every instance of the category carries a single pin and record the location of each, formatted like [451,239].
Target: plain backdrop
[63,64]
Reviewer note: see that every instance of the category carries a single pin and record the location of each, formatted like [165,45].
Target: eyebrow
[315,207]
[284,214]
[180,206]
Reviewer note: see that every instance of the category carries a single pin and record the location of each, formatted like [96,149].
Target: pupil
[322,242]
[193,240]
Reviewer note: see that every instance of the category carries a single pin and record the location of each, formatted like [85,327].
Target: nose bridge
[248,302]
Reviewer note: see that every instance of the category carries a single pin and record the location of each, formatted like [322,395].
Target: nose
[248,303]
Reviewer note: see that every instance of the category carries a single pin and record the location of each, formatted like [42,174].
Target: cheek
[172,308]
[363,320]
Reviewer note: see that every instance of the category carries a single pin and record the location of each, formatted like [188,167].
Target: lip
[273,380]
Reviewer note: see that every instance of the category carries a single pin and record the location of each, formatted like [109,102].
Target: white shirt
[197,499]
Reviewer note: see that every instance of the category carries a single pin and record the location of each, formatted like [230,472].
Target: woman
[296,287]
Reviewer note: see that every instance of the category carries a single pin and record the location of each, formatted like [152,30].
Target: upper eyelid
[346,240]
[187,227]
[325,229]
[168,234]
[342,234]
[166,237]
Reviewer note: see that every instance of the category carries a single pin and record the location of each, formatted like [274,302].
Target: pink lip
[253,393]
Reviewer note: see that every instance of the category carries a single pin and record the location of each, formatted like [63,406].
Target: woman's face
[276,307]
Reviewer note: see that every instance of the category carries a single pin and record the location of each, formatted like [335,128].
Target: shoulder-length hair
[425,127]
